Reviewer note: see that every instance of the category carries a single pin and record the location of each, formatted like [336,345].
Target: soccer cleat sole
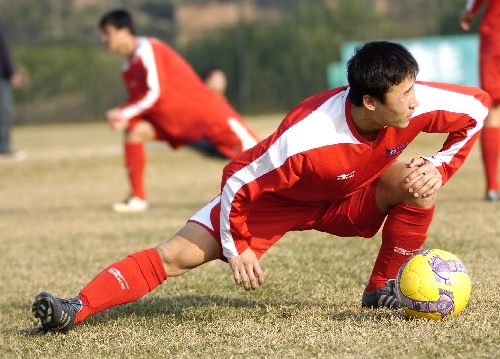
[42,308]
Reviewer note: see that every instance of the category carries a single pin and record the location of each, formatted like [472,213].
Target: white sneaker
[14,155]
[131,205]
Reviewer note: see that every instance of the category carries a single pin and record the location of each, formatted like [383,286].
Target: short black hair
[118,18]
[377,66]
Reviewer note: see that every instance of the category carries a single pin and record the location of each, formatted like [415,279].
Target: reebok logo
[345,176]
[405,252]
[119,277]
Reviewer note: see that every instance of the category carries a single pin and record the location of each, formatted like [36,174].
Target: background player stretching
[167,101]
[489,67]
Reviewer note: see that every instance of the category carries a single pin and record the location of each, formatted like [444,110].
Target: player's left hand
[424,180]
[115,118]
[465,20]
[246,270]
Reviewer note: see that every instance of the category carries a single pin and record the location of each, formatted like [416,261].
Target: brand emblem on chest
[396,150]
[345,176]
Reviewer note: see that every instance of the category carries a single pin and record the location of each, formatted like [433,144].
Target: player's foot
[492,195]
[56,315]
[13,155]
[381,297]
[131,205]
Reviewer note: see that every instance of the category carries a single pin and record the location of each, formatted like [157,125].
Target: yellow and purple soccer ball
[433,284]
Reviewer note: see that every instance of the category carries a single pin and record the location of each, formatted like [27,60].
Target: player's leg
[5,117]
[404,231]
[129,279]
[490,151]
[490,134]
[236,138]
[135,162]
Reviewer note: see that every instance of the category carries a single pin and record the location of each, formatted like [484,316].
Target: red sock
[135,160]
[490,149]
[122,282]
[404,232]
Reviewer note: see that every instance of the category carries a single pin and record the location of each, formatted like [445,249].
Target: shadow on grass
[180,308]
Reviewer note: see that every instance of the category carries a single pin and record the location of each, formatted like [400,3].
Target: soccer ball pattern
[433,284]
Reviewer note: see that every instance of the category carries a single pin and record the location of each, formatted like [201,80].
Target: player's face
[112,37]
[399,105]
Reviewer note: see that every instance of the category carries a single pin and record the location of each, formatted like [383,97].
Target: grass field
[57,232]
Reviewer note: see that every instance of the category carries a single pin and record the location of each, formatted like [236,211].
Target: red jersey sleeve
[142,80]
[461,113]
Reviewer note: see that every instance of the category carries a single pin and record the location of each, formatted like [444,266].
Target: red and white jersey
[317,156]
[490,24]
[164,89]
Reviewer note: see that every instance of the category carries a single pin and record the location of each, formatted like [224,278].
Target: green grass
[57,233]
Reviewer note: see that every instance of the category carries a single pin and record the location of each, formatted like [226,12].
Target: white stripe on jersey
[247,141]
[434,99]
[145,54]
[469,4]
[323,127]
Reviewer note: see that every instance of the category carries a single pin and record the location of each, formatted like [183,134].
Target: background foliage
[271,64]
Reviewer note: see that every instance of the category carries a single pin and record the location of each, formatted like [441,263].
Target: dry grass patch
[58,232]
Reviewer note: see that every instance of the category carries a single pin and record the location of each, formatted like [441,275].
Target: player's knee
[420,201]
[392,189]
[141,132]
[170,255]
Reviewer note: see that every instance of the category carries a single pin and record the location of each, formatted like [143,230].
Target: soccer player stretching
[167,101]
[330,166]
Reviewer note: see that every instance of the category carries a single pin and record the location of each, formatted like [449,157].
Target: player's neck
[129,46]
[364,124]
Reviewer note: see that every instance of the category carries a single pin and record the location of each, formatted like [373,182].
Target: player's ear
[369,102]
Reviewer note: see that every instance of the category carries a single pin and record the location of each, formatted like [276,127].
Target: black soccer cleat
[381,297]
[56,315]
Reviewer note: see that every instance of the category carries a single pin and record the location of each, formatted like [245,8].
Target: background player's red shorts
[230,137]
[270,218]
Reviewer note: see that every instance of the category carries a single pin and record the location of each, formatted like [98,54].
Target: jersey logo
[345,176]
[396,150]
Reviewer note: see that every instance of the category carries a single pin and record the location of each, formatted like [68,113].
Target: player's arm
[471,9]
[463,124]
[241,188]
[141,105]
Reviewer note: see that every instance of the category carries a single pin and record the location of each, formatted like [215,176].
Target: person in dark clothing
[9,78]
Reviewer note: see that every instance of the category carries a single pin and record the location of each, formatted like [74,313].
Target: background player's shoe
[13,155]
[492,196]
[131,205]
[56,315]
[381,297]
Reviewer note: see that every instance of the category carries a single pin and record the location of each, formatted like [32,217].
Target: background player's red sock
[122,282]
[135,160]
[490,149]
[404,232]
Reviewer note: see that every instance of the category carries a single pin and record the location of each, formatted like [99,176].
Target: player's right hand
[115,118]
[246,270]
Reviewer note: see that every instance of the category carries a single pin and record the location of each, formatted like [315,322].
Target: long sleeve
[148,86]
[461,114]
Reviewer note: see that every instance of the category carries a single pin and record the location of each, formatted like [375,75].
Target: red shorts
[230,137]
[270,218]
